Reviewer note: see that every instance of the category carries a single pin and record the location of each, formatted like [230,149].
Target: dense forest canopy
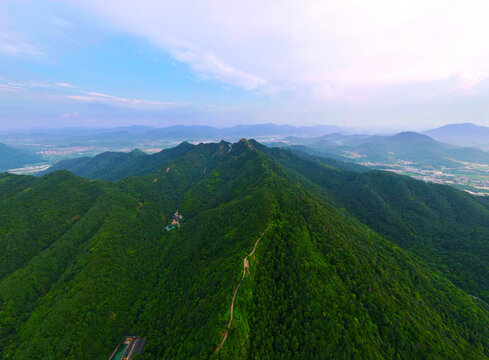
[355,264]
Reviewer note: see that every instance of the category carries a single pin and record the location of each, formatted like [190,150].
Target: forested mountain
[85,262]
[420,149]
[447,227]
[407,146]
[462,134]
[11,158]
[118,165]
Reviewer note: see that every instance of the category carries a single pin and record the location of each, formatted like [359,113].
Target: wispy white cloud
[14,43]
[65,85]
[324,47]
[20,85]
[320,60]
[102,98]
[467,82]
[9,88]
[208,66]
[70,115]
[63,91]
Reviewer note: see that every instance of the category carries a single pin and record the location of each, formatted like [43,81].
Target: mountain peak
[464,134]
[138,152]
[411,134]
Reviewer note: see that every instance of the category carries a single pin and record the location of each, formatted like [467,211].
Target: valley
[408,153]
[473,178]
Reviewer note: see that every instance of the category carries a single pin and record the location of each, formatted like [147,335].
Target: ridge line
[245,266]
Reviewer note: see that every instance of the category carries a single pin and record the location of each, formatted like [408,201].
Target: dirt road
[245,266]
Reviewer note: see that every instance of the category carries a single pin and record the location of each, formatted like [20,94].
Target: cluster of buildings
[176,221]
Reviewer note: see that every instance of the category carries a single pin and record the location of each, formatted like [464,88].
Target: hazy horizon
[341,129]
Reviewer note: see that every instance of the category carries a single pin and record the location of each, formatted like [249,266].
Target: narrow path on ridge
[245,266]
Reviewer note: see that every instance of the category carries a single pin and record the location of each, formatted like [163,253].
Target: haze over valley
[407,153]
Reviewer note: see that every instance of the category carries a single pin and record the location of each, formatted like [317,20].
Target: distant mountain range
[407,146]
[458,134]
[426,151]
[462,134]
[11,158]
[134,136]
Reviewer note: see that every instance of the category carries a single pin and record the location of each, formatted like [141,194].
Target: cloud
[62,91]
[467,82]
[14,43]
[8,87]
[209,67]
[102,98]
[70,115]
[368,61]
[65,85]
[17,86]
[312,45]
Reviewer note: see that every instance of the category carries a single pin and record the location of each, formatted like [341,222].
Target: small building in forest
[176,220]
[127,348]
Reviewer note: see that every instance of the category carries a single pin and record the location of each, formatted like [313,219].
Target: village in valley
[471,177]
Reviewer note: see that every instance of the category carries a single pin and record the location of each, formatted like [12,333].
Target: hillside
[419,149]
[11,158]
[320,284]
[462,134]
[448,228]
[118,165]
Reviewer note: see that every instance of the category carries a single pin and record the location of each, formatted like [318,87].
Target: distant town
[473,178]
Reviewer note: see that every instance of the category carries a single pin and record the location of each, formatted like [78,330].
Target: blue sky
[104,63]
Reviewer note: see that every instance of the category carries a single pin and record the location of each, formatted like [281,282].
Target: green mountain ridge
[11,158]
[448,227]
[321,284]
[118,165]
[406,146]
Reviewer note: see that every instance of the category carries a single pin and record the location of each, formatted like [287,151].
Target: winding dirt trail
[245,266]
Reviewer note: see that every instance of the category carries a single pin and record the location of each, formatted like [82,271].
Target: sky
[376,64]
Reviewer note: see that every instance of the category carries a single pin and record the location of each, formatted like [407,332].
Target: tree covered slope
[11,158]
[447,227]
[118,165]
[320,284]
